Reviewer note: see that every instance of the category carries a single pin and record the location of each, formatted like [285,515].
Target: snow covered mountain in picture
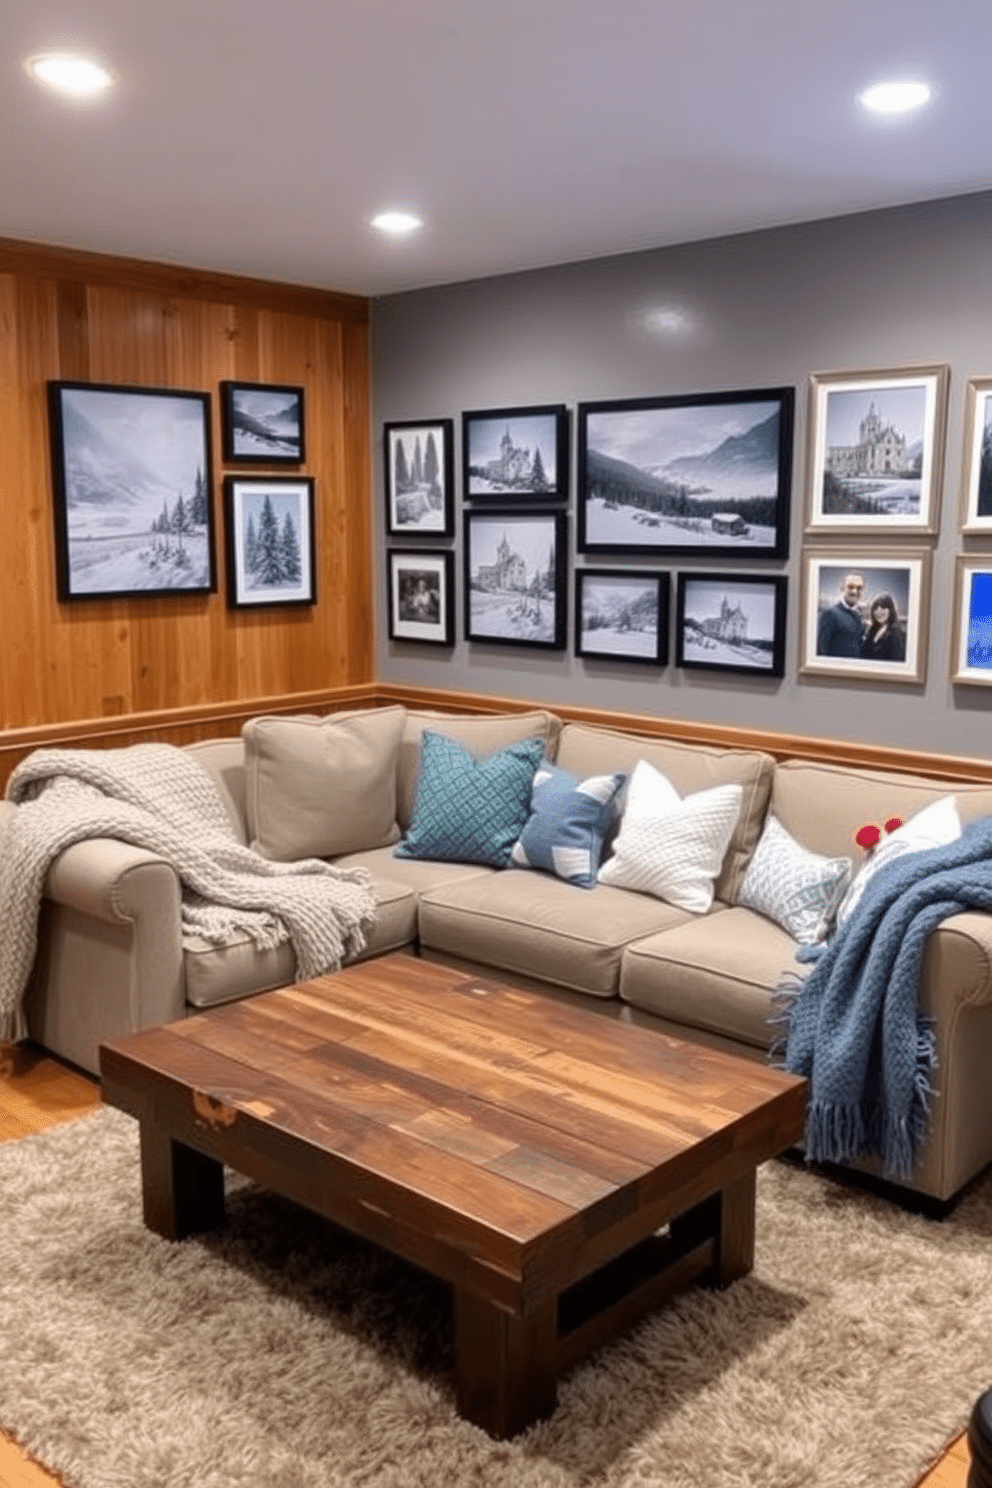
[674,476]
[134,483]
[264,423]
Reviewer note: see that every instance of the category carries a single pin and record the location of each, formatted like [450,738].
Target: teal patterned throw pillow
[567,823]
[470,810]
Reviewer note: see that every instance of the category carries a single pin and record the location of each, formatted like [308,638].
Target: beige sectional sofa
[112,958]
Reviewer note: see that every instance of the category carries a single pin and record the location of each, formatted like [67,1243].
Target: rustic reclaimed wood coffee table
[525,1151]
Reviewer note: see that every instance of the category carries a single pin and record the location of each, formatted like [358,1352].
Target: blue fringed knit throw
[854,1028]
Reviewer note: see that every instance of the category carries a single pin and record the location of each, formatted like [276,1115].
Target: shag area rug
[283,1353]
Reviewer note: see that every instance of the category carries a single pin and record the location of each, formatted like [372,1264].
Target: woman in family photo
[884,638]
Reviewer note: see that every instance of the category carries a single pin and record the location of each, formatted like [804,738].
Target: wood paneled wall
[89,317]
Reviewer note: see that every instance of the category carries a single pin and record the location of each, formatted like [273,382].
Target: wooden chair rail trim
[844,752]
[42,261]
[214,720]
[205,720]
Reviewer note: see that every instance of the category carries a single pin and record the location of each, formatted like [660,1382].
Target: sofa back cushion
[317,787]
[588,750]
[483,734]
[823,806]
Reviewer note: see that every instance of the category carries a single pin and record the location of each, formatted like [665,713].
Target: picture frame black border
[779,583]
[786,398]
[228,388]
[63,573]
[560,519]
[447,559]
[234,600]
[663,580]
[447,425]
[557,411]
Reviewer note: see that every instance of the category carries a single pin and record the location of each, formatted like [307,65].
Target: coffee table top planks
[503,1140]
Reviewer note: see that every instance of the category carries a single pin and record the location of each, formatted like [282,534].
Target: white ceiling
[258,137]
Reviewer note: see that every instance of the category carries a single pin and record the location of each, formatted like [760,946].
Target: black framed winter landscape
[706,473]
[418,461]
[728,622]
[516,567]
[270,541]
[262,423]
[515,454]
[421,595]
[132,490]
[622,615]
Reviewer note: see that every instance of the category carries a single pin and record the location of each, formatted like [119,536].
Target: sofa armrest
[110,955]
[957,966]
[113,881]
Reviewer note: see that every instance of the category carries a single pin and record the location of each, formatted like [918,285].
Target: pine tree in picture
[270,541]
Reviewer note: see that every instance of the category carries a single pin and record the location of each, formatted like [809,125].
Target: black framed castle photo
[131,484]
[731,622]
[516,567]
[515,454]
[418,461]
[707,474]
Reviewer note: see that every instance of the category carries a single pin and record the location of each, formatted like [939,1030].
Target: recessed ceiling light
[79,76]
[895,98]
[396,223]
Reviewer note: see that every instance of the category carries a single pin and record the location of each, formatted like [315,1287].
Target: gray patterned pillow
[798,889]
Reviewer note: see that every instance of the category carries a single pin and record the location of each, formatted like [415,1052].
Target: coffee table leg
[727,1217]
[182,1190]
[504,1365]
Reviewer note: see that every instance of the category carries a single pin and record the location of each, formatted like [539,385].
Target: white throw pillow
[935,826]
[670,847]
[793,886]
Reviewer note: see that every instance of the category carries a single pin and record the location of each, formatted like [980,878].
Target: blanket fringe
[837,1133]
[13,1026]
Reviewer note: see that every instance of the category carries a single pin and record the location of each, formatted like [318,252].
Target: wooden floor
[37,1091]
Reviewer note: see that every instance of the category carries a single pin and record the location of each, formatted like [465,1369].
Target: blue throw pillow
[470,810]
[568,820]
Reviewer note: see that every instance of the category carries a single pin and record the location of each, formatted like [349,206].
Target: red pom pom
[868,837]
[893,824]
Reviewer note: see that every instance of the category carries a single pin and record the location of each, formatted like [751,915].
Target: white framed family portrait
[865,613]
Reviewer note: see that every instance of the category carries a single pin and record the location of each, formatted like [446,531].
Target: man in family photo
[849,628]
[840,628]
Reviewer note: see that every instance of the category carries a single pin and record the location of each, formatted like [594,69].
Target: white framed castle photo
[876,449]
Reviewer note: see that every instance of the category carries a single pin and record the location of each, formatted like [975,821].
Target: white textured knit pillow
[670,847]
[796,888]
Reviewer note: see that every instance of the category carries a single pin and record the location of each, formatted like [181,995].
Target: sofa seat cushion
[587,750]
[540,926]
[418,874]
[716,973]
[223,973]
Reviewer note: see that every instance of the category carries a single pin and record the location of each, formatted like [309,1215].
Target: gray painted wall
[887,289]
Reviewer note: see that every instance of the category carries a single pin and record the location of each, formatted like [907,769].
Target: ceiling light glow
[396,223]
[81,77]
[895,98]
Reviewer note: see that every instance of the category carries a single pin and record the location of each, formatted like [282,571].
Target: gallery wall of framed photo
[877,504]
[700,476]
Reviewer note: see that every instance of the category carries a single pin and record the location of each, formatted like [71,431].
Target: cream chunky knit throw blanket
[158,797]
